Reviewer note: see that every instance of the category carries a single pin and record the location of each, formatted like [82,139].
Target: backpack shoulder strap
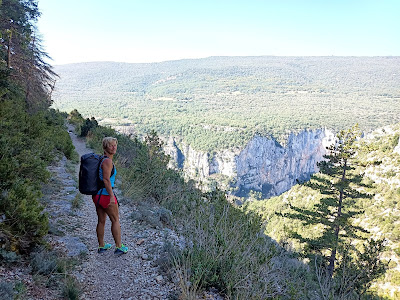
[102,158]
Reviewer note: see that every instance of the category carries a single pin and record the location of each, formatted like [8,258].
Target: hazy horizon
[227,56]
[156,31]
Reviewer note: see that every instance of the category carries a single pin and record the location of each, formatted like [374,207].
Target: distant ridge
[225,57]
[221,102]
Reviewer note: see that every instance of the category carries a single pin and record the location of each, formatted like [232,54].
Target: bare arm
[107,169]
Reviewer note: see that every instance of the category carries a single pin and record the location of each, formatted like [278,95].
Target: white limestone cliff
[397,148]
[263,165]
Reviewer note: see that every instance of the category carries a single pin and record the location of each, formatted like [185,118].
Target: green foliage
[12,290]
[222,102]
[83,127]
[369,266]
[225,246]
[88,126]
[21,55]
[23,212]
[77,202]
[75,118]
[20,290]
[356,270]
[340,188]
[70,289]
[30,142]
[8,257]
[6,290]
[395,278]
[279,228]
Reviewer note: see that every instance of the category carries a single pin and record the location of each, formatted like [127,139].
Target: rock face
[263,165]
[198,164]
[397,148]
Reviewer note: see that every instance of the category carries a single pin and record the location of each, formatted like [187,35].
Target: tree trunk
[9,49]
[332,258]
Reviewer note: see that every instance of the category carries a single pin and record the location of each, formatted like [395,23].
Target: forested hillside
[221,102]
[378,159]
[226,243]
[32,136]
[212,103]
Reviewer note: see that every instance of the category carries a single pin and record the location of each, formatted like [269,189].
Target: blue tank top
[112,179]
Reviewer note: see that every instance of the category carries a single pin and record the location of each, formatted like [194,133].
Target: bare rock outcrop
[263,164]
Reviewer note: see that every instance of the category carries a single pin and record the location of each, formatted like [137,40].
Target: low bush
[70,289]
[225,247]
[46,263]
[77,202]
[30,142]
[24,215]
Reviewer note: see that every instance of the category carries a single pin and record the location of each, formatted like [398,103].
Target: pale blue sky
[159,30]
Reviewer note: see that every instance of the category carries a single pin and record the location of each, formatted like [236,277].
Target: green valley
[222,102]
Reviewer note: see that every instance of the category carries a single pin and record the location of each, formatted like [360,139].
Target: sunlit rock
[262,165]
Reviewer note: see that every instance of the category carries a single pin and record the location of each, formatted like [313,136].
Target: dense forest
[222,102]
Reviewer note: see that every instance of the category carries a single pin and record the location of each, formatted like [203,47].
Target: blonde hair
[108,140]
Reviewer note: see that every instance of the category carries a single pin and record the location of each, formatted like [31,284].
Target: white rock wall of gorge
[262,165]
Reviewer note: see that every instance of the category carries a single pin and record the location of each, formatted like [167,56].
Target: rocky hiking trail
[139,274]
[134,275]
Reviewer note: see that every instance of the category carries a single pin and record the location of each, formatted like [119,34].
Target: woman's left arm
[107,169]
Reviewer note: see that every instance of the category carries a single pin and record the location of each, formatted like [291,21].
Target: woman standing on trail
[106,201]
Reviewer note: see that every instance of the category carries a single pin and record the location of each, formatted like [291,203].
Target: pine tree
[345,272]
[22,59]
[340,187]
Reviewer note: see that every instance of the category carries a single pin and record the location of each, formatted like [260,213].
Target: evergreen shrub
[225,246]
[30,142]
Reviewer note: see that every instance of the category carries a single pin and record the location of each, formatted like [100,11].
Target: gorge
[263,165]
[217,114]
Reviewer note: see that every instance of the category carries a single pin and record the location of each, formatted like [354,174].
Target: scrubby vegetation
[32,137]
[224,247]
[222,102]
[379,214]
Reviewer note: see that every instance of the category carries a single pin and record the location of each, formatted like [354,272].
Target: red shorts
[104,200]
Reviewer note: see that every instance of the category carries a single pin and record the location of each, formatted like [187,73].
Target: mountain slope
[221,102]
[381,166]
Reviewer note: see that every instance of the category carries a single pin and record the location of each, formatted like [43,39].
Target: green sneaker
[122,250]
[104,248]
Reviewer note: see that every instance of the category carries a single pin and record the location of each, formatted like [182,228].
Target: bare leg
[113,214]
[101,223]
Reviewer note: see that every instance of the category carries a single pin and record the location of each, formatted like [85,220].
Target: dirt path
[130,276]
